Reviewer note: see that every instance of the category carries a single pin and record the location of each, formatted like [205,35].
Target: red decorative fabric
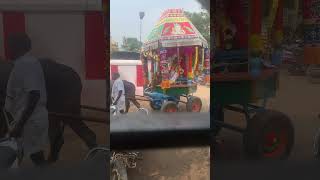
[140,79]
[95,46]
[13,22]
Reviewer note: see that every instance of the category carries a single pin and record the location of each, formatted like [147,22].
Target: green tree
[201,20]
[131,44]
[205,4]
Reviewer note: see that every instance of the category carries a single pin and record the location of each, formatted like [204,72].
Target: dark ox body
[64,88]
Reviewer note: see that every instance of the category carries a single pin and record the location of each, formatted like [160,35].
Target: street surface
[300,100]
[297,97]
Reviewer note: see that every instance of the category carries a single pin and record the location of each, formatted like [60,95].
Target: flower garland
[278,37]
[256,45]
[151,54]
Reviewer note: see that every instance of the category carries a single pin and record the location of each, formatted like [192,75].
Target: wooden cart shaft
[241,88]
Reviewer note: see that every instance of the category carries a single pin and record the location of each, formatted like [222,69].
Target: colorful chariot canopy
[174,29]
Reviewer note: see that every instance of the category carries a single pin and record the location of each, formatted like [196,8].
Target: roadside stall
[311,50]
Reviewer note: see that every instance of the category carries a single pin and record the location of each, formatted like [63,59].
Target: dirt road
[171,164]
[297,97]
[300,100]
[175,164]
[74,149]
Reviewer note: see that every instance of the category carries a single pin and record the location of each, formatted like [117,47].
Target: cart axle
[228,126]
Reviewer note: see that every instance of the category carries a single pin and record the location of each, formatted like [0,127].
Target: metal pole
[140,28]
[141,15]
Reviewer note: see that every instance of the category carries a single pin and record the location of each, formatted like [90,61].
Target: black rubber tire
[256,128]
[153,107]
[118,171]
[168,105]
[190,102]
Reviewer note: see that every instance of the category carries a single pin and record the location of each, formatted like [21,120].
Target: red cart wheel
[169,107]
[270,135]
[275,143]
[194,104]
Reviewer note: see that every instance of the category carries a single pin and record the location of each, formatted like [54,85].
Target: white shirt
[26,76]
[118,86]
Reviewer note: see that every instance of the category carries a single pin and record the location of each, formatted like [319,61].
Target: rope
[77,117]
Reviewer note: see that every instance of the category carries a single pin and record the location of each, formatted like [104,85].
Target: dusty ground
[297,97]
[164,164]
[300,100]
[74,150]
[175,164]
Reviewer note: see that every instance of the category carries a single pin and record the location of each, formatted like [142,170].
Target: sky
[125,21]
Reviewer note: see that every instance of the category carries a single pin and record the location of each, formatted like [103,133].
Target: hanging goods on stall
[311,18]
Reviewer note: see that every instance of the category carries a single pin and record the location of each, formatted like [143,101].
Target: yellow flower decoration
[165,84]
[190,75]
[255,42]
[278,37]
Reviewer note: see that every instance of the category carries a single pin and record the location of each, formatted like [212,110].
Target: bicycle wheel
[92,153]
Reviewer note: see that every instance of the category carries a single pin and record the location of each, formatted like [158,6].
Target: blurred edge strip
[56,6]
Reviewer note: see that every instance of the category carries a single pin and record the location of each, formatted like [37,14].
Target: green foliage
[201,20]
[131,44]
[205,4]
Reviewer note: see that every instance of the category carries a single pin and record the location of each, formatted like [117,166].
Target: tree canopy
[201,20]
[131,44]
[205,4]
